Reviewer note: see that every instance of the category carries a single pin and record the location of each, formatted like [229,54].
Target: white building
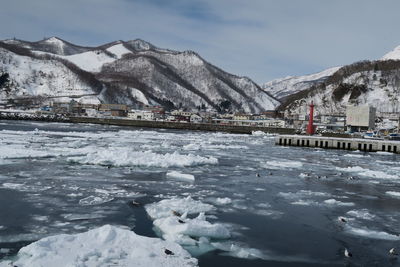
[195,118]
[360,117]
[141,115]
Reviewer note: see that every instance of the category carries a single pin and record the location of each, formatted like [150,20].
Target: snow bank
[180,176]
[124,157]
[104,246]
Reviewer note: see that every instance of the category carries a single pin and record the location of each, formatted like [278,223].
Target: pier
[368,145]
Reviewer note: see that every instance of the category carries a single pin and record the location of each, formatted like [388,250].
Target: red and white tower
[310,126]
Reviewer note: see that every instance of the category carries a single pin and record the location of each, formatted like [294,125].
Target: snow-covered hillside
[394,54]
[129,72]
[47,78]
[376,83]
[280,88]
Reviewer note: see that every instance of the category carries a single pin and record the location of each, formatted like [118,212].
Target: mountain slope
[281,88]
[367,82]
[129,72]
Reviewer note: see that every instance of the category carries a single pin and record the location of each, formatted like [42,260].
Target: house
[194,118]
[119,110]
[141,115]
[242,116]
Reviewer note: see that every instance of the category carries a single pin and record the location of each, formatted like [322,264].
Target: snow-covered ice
[165,207]
[282,164]
[104,246]
[124,157]
[180,176]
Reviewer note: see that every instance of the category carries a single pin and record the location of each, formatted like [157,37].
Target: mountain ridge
[154,75]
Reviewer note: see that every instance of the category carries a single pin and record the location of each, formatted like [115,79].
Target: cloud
[262,39]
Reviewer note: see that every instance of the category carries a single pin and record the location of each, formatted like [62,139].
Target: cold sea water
[280,204]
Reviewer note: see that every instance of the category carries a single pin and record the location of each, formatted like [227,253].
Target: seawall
[182,126]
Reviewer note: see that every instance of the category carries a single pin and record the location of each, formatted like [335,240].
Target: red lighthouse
[310,126]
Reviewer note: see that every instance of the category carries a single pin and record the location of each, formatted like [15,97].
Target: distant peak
[53,40]
[141,45]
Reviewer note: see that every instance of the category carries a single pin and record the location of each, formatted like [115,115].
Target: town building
[360,118]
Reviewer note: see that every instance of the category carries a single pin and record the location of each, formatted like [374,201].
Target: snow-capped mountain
[376,83]
[366,82]
[123,72]
[283,87]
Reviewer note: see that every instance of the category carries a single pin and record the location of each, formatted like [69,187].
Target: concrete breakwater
[183,126]
[369,145]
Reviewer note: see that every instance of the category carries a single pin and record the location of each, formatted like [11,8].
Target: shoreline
[207,127]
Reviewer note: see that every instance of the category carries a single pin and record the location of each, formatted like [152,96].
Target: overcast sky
[261,39]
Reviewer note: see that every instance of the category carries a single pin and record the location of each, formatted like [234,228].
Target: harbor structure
[367,145]
[360,118]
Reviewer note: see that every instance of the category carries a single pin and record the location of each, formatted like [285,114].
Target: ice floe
[282,164]
[393,193]
[95,200]
[365,232]
[223,200]
[173,218]
[361,214]
[334,202]
[104,246]
[368,173]
[165,207]
[125,157]
[180,176]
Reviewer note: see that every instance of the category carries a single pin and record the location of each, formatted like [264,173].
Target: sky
[260,39]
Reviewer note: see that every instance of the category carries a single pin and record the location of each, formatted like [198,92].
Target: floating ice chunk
[361,214]
[13,186]
[82,217]
[40,218]
[365,232]
[197,227]
[258,133]
[191,147]
[369,173]
[180,176]
[239,251]
[95,200]
[283,164]
[334,202]
[164,208]
[302,202]
[393,193]
[356,156]
[223,200]
[125,157]
[384,153]
[103,246]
